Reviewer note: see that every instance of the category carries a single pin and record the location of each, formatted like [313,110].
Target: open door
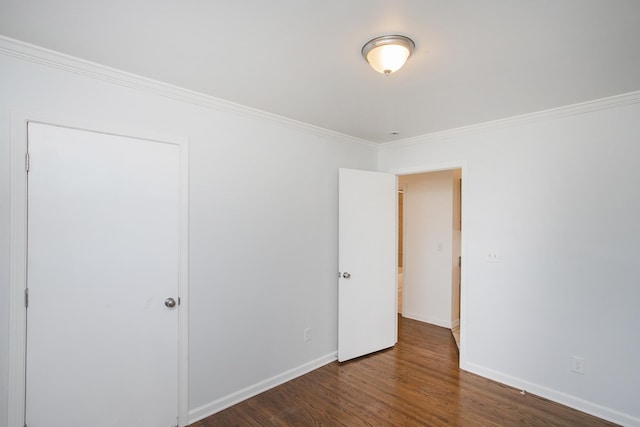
[367,287]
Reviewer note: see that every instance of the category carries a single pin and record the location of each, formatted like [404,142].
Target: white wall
[263,225]
[556,195]
[428,207]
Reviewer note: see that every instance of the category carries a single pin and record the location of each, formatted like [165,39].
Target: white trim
[553,113]
[183,288]
[61,61]
[429,320]
[556,396]
[53,59]
[218,405]
[464,176]
[436,167]
[18,255]
[17,272]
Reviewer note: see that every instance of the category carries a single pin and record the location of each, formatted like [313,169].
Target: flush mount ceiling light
[388,54]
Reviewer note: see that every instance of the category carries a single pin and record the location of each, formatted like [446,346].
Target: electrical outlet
[577,364]
[307,335]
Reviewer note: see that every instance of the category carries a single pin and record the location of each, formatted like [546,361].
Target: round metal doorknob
[346,275]
[170,302]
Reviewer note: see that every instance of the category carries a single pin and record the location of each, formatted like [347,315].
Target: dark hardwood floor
[416,383]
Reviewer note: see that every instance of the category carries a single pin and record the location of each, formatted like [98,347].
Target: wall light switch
[492,256]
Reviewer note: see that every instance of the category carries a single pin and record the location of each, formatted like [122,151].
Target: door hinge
[26,299]
[26,162]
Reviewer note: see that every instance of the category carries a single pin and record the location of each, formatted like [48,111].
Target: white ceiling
[475,60]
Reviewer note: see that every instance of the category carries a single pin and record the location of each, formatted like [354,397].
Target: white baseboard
[599,411]
[430,320]
[204,411]
[556,396]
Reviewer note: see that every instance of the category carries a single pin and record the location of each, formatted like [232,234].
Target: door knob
[170,302]
[346,275]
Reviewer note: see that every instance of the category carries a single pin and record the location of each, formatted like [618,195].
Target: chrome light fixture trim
[398,50]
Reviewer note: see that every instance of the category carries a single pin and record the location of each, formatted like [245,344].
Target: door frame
[438,167]
[18,253]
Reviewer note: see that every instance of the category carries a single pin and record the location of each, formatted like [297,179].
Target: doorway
[430,252]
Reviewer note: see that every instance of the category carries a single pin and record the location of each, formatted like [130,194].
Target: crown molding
[50,58]
[553,113]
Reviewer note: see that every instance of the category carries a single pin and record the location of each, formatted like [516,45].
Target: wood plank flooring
[417,383]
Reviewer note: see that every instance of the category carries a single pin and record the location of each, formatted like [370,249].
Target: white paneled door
[103,270]
[367,286]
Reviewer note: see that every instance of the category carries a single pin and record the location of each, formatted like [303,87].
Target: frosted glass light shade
[387,54]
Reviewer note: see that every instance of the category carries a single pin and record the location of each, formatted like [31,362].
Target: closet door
[103,277]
